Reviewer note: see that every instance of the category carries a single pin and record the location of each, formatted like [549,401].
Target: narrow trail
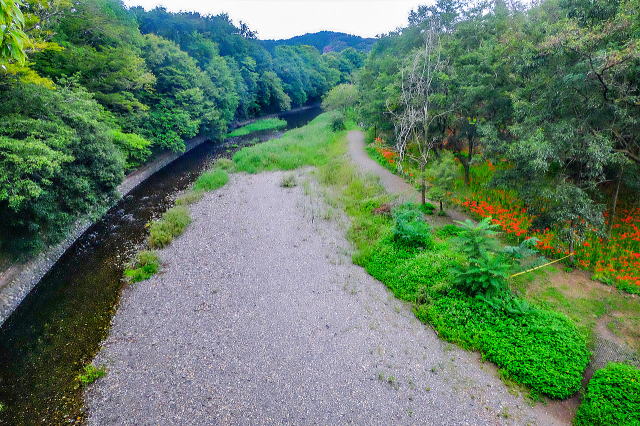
[393,184]
[259,317]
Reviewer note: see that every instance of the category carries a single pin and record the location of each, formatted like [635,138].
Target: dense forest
[91,90]
[325,41]
[534,110]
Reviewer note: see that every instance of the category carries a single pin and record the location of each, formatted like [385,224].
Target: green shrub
[172,223]
[288,181]
[210,180]
[612,398]
[427,208]
[145,265]
[448,231]
[408,271]
[91,374]
[337,123]
[410,228]
[541,349]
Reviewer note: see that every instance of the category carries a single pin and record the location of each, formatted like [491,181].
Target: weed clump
[288,181]
[91,374]
[211,180]
[172,224]
[145,265]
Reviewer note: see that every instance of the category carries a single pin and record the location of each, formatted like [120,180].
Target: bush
[410,228]
[612,398]
[541,349]
[288,181]
[145,265]
[337,123]
[172,224]
[189,198]
[210,180]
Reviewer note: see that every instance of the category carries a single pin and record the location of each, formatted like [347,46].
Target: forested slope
[102,88]
[535,110]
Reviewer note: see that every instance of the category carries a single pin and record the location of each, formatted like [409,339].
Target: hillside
[325,41]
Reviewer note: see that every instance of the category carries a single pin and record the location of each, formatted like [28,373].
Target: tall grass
[307,145]
[211,180]
[258,126]
[172,224]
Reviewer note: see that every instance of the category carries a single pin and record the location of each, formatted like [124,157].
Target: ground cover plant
[90,374]
[258,126]
[612,398]
[145,265]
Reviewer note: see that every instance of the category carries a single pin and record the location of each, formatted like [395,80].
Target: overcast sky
[276,19]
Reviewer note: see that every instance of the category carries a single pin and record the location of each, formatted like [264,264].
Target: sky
[277,19]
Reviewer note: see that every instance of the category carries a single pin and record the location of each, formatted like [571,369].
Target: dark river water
[58,328]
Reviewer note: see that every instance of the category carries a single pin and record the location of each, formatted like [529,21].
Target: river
[59,326]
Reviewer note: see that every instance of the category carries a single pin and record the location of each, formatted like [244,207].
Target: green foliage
[540,349]
[189,198]
[134,147]
[210,180]
[288,181]
[91,374]
[13,40]
[171,225]
[225,164]
[342,97]
[58,160]
[259,126]
[612,398]
[145,265]
[304,146]
[449,230]
[410,229]
[337,123]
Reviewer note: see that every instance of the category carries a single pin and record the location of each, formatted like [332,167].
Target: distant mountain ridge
[325,41]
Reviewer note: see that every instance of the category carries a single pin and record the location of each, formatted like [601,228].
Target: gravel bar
[259,317]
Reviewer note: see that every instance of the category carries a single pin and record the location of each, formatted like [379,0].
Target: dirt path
[261,318]
[393,184]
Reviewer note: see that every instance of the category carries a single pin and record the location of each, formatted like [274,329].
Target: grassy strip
[211,180]
[613,397]
[307,145]
[172,224]
[258,126]
[540,348]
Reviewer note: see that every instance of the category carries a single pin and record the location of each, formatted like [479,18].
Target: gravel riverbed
[259,317]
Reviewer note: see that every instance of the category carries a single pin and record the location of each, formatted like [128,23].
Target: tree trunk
[423,186]
[441,209]
[615,204]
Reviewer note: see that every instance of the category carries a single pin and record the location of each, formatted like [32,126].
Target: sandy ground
[259,317]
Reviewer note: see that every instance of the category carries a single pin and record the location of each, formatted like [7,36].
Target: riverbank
[259,315]
[19,279]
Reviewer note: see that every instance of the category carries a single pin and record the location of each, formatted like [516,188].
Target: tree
[419,104]
[442,176]
[341,97]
